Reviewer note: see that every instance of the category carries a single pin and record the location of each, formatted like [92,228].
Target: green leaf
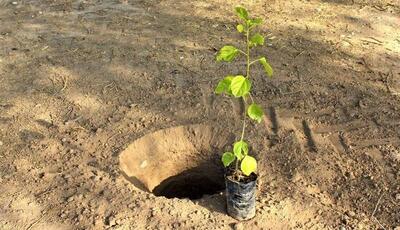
[240,149]
[254,22]
[242,13]
[227,53]
[240,28]
[257,39]
[267,67]
[255,112]
[228,158]
[248,165]
[240,86]
[224,86]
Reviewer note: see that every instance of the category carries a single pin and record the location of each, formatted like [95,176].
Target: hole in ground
[178,162]
[193,183]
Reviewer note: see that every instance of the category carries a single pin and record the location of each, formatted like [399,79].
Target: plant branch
[376,206]
[252,100]
[241,51]
[251,63]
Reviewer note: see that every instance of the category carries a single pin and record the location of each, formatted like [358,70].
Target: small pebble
[238,226]
[112,221]
[1,143]
[398,196]
[14,3]
[350,213]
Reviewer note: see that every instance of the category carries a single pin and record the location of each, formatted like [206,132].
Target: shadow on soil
[193,183]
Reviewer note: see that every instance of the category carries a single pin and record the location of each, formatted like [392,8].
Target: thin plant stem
[244,120]
[236,168]
[243,98]
[251,97]
[241,138]
[247,75]
[248,53]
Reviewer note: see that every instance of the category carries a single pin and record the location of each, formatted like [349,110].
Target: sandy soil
[81,80]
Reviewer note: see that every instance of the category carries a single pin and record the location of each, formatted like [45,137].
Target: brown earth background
[80,80]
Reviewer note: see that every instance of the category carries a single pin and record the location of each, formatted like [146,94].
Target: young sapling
[239,86]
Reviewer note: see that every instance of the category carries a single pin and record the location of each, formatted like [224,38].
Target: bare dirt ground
[81,80]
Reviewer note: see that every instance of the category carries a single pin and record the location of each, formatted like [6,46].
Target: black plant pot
[241,197]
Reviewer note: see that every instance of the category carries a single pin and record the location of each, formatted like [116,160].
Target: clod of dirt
[238,226]
[179,162]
